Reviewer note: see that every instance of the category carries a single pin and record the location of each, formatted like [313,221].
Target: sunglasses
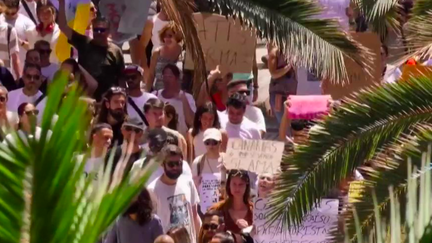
[173,164]
[99,30]
[211,142]
[2,99]
[32,77]
[266,178]
[33,112]
[244,92]
[47,51]
[210,226]
[132,129]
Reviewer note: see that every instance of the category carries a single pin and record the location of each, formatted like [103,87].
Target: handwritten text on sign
[315,228]
[224,42]
[259,156]
[209,190]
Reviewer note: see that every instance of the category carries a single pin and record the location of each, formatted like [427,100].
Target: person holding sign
[237,209]
[206,169]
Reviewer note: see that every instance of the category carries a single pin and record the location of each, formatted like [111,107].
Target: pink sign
[308,106]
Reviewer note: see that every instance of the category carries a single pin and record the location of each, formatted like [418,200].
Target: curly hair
[143,207]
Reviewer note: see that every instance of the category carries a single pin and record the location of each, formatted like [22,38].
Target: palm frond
[48,198]
[421,7]
[180,11]
[345,140]
[382,15]
[419,36]
[316,44]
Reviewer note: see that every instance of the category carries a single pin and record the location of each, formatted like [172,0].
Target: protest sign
[209,190]
[308,106]
[114,11]
[415,71]
[224,42]
[134,16]
[259,156]
[357,76]
[315,227]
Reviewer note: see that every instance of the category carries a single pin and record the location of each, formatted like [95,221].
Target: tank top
[160,65]
[158,25]
[287,84]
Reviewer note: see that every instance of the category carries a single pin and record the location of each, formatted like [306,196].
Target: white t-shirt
[198,144]
[13,45]
[178,105]
[17,97]
[174,204]
[22,24]
[33,36]
[50,71]
[187,173]
[252,114]
[92,166]
[32,6]
[246,130]
[209,166]
[38,132]
[140,102]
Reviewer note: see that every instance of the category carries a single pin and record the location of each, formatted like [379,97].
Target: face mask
[117,114]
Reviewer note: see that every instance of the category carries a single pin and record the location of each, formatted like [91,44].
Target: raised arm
[91,82]
[62,21]
[145,39]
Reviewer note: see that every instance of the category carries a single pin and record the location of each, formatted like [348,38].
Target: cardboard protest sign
[315,227]
[357,76]
[415,71]
[209,190]
[259,156]
[114,11]
[224,42]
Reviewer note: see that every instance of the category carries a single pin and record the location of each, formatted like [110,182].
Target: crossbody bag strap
[140,113]
[27,9]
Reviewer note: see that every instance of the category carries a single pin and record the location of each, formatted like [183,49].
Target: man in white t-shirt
[48,68]
[29,11]
[254,114]
[237,126]
[176,197]
[172,94]
[131,79]
[32,78]
[21,23]
[9,49]
[100,140]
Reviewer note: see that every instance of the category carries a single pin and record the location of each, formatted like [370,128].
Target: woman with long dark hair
[138,224]
[237,208]
[205,117]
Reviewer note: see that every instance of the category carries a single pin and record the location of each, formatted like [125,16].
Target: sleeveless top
[160,65]
[287,84]
[158,25]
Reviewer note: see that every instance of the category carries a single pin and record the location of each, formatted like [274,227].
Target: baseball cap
[134,122]
[130,68]
[212,133]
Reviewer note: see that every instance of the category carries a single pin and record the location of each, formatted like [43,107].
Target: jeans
[279,114]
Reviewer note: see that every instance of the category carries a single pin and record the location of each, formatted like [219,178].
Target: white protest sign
[134,16]
[114,10]
[259,156]
[209,190]
[315,228]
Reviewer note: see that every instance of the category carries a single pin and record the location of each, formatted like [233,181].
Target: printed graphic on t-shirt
[178,210]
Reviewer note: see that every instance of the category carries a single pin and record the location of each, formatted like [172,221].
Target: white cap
[212,133]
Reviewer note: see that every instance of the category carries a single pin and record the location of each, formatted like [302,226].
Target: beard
[173,175]
[117,114]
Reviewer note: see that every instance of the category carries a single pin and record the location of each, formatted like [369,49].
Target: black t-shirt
[104,63]
[7,79]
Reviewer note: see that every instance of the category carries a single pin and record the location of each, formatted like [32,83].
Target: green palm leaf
[347,139]
[313,43]
[45,196]
[421,7]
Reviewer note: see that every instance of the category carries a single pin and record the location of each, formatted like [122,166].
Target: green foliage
[44,195]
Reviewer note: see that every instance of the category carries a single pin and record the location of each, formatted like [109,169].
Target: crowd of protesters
[147,107]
